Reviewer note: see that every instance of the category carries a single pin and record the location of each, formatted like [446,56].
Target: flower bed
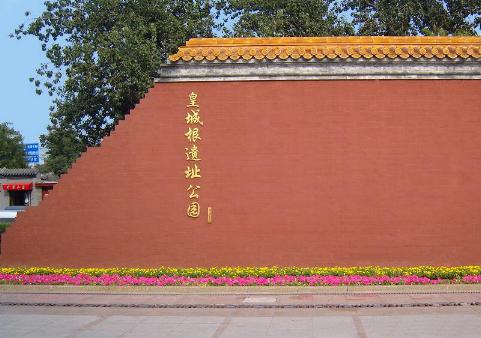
[82,279]
[243,276]
[431,272]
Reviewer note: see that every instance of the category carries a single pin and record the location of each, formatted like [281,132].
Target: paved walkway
[243,289]
[273,297]
[236,312]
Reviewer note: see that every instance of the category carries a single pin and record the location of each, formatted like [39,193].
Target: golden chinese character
[193,193]
[193,118]
[192,154]
[193,210]
[193,134]
[193,172]
[193,100]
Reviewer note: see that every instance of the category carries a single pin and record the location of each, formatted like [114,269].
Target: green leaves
[349,17]
[414,17]
[3,227]
[12,154]
[103,56]
[283,18]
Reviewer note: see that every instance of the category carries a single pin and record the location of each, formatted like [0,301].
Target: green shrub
[3,227]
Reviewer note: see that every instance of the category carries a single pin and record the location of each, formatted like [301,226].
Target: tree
[415,17]
[12,154]
[283,18]
[103,56]
[350,17]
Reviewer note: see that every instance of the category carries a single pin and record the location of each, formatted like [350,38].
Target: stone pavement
[240,312]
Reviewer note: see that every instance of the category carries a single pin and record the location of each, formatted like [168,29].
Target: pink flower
[314,280]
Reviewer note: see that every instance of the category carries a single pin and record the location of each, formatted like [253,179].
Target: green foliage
[63,146]
[415,17]
[12,154]
[283,18]
[3,227]
[103,56]
[350,17]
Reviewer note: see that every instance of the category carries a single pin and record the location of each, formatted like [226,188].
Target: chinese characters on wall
[192,153]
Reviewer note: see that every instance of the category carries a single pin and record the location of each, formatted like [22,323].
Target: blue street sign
[31,147]
[31,152]
[33,159]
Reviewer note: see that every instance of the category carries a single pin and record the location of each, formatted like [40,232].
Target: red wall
[297,173]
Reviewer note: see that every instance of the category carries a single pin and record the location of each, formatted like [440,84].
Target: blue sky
[27,111]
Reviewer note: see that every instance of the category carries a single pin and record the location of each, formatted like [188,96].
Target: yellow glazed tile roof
[220,49]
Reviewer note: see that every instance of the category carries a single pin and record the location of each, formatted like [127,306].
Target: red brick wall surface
[297,173]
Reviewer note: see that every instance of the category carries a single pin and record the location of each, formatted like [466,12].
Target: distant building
[21,188]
